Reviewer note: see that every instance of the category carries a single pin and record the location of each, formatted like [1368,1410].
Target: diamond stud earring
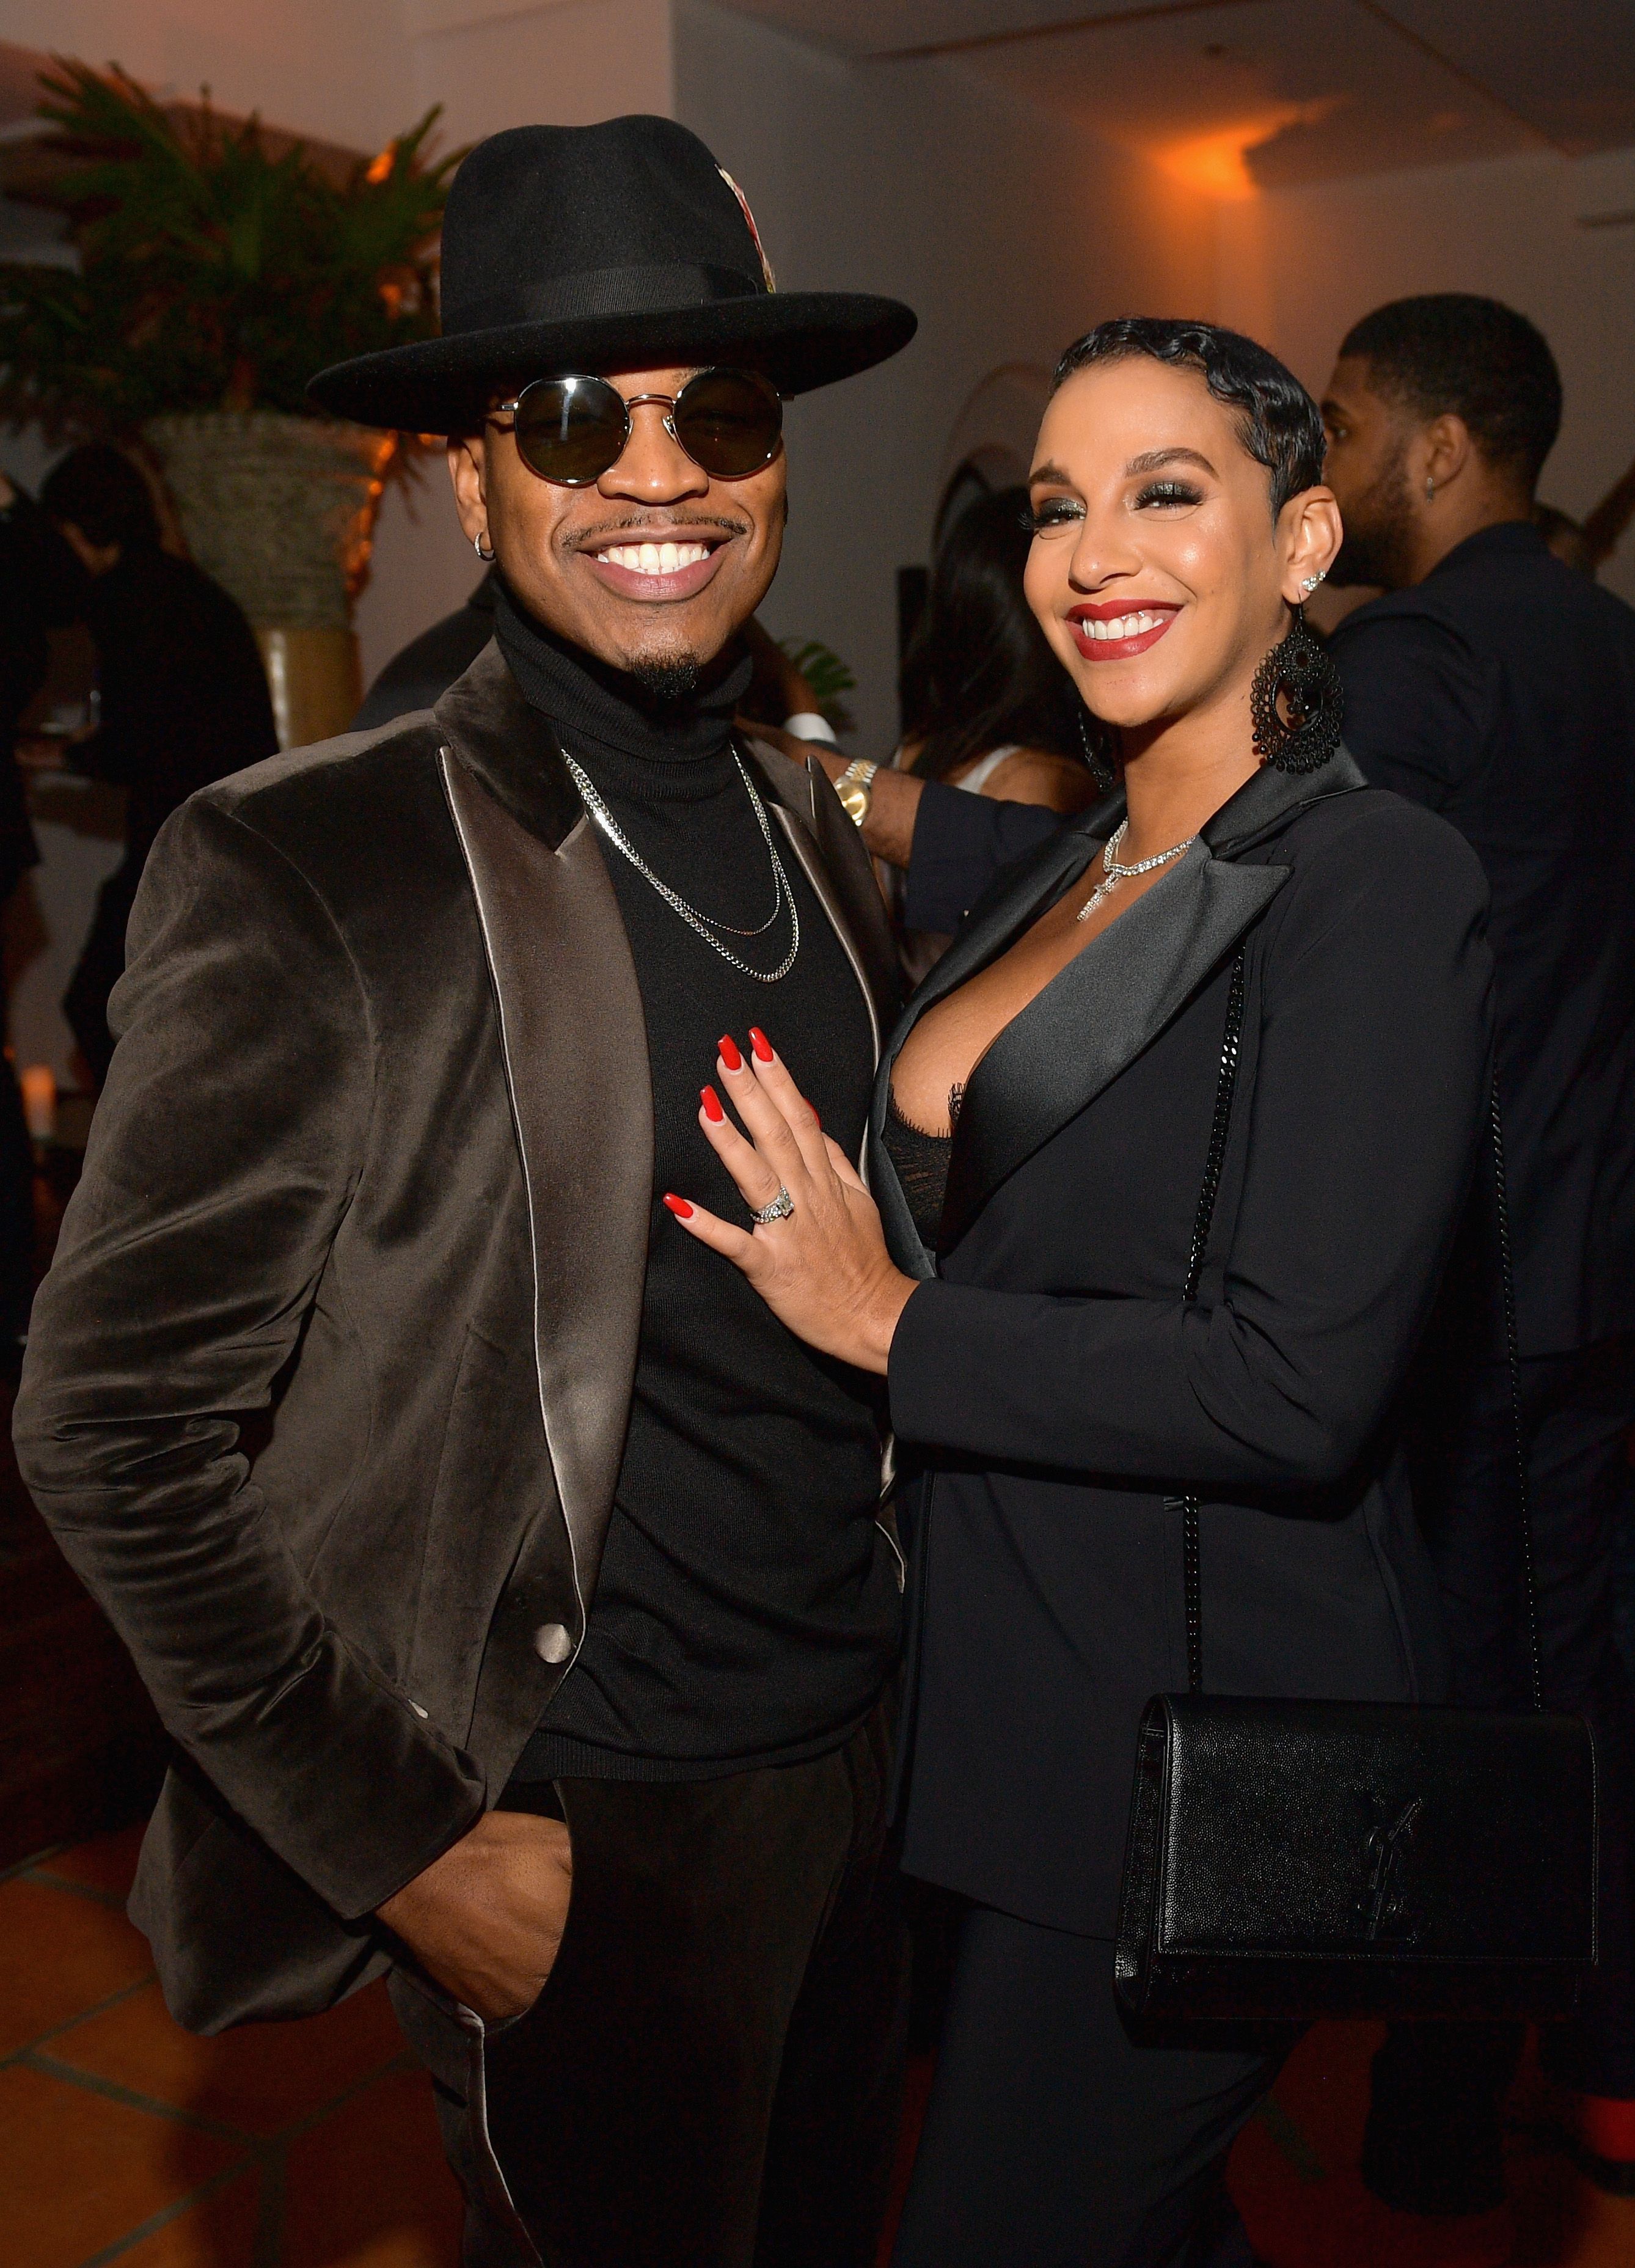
[1312,581]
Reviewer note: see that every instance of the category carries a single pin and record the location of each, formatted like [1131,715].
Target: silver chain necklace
[704,926]
[1113,874]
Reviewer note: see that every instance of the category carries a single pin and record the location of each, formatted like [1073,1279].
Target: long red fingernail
[730,1055]
[711,1102]
[760,1043]
[679,1206]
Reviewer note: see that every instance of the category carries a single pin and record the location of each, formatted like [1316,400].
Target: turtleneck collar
[630,742]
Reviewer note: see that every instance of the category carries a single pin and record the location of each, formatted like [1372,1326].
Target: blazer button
[552,1643]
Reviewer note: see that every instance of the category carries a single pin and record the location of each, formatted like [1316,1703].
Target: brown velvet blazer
[378,1135]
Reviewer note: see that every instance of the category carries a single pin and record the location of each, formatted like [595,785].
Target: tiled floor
[124,2140]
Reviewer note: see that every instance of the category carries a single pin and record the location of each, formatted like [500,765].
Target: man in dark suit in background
[184,698]
[1497,686]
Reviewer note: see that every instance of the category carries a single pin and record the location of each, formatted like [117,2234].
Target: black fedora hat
[622,246]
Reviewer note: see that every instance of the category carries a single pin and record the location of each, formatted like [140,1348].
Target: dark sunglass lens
[728,421]
[571,429]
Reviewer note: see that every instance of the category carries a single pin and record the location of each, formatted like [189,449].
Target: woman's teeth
[1122,626]
[654,558]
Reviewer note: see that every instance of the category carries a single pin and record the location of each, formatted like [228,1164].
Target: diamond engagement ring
[782,1205]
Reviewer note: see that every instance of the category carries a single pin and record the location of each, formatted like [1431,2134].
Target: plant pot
[281,511]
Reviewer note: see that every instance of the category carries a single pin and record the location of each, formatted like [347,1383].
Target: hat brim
[801,339]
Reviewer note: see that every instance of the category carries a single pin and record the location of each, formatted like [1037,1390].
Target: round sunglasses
[571,431]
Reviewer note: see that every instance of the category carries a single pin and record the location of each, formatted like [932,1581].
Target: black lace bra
[921,1161]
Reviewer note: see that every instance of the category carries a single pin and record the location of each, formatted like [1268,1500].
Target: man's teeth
[1123,626]
[654,558]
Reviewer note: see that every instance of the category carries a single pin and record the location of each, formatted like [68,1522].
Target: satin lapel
[576,1063]
[1037,884]
[1096,1018]
[834,861]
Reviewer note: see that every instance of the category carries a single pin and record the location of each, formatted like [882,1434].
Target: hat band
[603,292]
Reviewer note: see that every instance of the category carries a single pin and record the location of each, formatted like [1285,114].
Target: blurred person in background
[1495,685]
[40,590]
[183,694]
[421,672]
[986,706]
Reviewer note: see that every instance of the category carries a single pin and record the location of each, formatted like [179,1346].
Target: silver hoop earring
[1430,490]
[477,544]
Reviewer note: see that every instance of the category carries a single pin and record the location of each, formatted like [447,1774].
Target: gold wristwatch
[855,787]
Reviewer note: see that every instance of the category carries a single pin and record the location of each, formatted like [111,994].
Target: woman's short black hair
[1278,423]
[1455,352]
[978,672]
[100,490]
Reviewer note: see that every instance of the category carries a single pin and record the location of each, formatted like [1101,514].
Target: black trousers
[712,2076]
[1433,2142]
[1054,2139]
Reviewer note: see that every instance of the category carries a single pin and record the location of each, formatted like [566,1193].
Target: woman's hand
[825,1270]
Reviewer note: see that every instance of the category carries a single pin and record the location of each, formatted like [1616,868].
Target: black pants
[1053,2138]
[712,2076]
[1434,2140]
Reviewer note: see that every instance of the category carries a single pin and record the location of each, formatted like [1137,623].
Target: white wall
[1009,230]
[339,69]
[1298,269]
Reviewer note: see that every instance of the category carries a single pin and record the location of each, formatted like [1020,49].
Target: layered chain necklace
[1113,874]
[705,925]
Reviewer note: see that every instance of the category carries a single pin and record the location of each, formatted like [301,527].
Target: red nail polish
[711,1102]
[679,1206]
[730,1055]
[760,1043]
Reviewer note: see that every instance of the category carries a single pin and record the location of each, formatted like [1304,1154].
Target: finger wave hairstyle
[1278,421]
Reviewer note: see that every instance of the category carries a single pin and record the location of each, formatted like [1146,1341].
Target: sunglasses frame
[671,403]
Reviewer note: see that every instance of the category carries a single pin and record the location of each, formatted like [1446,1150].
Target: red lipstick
[1115,610]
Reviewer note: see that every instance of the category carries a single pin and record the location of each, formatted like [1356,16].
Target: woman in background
[986,705]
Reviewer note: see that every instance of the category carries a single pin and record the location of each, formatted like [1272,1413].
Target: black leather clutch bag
[1292,1860]
[1302,1858]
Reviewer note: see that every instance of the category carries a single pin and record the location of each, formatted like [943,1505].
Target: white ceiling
[1235,94]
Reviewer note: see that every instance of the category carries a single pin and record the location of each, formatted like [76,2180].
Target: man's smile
[653,566]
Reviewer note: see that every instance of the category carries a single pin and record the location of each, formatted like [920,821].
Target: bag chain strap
[1230,1047]
[1218,1126]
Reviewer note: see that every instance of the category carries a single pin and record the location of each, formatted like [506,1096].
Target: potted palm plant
[219,265]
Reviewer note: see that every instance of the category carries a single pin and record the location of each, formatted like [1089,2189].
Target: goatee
[666,678]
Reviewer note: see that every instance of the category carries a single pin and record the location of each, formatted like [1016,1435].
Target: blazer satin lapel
[1096,1018]
[576,1061]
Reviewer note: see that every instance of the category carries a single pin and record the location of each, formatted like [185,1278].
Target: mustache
[669,523]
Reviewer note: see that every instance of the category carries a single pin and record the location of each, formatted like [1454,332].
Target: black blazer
[1500,691]
[379,1120]
[1059,1398]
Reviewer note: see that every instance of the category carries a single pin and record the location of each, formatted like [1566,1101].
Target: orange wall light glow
[1217,163]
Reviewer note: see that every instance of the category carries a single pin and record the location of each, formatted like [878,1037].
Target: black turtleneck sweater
[746,1610]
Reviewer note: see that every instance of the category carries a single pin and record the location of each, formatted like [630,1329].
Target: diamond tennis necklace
[704,926]
[1113,874]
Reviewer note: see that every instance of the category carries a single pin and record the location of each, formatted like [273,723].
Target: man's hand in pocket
[486,1918]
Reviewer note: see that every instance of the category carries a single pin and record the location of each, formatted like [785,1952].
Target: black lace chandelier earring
[1096,738]
[1296,703]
